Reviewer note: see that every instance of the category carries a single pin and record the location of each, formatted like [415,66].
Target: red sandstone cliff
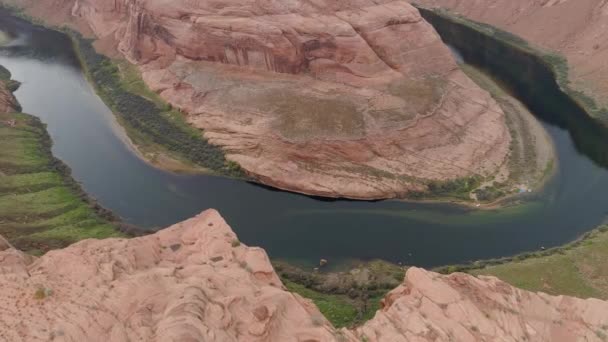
[8,102]
[190,282]
[576,28]
[349,98]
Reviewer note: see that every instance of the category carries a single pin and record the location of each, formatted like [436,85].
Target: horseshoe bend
[354,99]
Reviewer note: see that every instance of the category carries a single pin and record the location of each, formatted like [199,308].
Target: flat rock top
[350,98]
[194,282]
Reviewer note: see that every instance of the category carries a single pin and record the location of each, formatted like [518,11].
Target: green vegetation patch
[578,269]
[41,206]
[143,112]
[340,310]
[459,189]
[346,299]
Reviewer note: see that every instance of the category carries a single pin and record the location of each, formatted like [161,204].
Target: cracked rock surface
[192,282]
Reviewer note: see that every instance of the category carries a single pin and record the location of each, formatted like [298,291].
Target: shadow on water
[316,198]
[528,78]
[297,227]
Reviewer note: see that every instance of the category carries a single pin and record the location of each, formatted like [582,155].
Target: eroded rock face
[193,282]
[460,307]
[349,98]
[8,102]
[575,28]
[189,282]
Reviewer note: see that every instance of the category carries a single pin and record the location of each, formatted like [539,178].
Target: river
[289,226]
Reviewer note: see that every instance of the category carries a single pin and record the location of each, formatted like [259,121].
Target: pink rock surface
[191,282]
[460,307]
[348,98]
[185,283]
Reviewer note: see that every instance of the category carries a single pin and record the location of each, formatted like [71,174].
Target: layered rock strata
[354,98]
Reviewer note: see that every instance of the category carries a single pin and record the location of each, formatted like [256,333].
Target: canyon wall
[195,282]
[8,102]
[575,28]
[355,98]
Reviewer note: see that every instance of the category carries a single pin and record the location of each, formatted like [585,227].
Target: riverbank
[554,63]
[155,131]
[41,206]
[158,132]
[577,268]
[532,158]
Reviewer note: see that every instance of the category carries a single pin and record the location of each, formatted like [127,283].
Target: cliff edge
[195,282]
[574,28]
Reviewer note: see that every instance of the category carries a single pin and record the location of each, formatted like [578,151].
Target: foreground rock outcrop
[195,282]
[349,98]
[576,28]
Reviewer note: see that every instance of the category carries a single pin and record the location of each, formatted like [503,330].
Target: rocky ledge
[349,98]
[195,282]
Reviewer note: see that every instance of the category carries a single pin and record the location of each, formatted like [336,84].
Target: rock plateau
[349,98]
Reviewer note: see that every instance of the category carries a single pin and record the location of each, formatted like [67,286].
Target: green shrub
[146,117]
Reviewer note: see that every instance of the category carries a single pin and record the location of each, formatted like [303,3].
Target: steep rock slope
[194,282]
[8,102]
[576,28]
[354,98]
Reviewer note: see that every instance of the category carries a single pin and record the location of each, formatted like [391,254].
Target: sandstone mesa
[189,282]
[357,99]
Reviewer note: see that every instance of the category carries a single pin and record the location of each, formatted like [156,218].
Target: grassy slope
[41,206]
[339,309]
[39,210]
[580,270]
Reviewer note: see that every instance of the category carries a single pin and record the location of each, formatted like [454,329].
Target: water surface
[289,226]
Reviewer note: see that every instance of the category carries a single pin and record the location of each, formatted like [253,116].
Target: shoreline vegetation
[147,121]
[41,206]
